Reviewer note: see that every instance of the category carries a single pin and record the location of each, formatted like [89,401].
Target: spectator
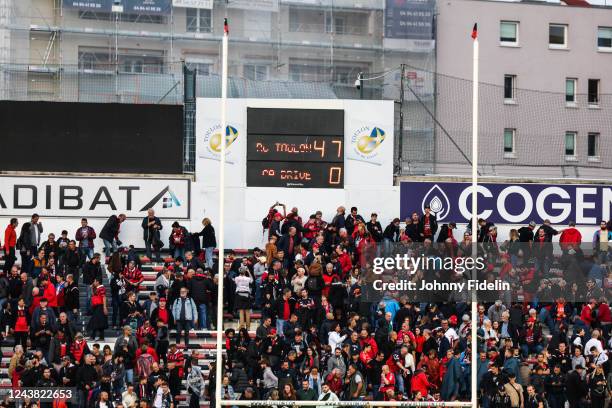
[185,314]
[10,243]
[110,233]
[85,236]
[178,240]
[209,241]
[151,226]
[428,225]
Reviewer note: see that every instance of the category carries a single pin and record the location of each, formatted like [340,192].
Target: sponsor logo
[511,203]
[438,202]
[168,200]
[367,140]
[213,139]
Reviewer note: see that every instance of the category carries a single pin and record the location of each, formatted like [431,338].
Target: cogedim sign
[94,197]
[510,203]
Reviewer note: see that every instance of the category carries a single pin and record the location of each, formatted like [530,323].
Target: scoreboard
[300,148]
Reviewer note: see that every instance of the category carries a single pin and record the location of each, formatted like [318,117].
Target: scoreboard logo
[212,139]
[366,141]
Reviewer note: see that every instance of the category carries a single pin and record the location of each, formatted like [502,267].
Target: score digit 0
[335,175]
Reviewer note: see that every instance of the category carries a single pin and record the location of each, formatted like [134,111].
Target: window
[334,24]
[202,68]
[508,33]
[198,20]
[509,87]
[509,142]
[593,146]
[604,38]
[557,36]
[570,145]
[593,92]
[570,90]
[256,72]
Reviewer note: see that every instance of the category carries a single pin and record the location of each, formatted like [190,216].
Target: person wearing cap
[44,309]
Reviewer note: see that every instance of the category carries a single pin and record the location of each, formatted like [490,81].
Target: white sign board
[199,4]
[94,197]
[368,165]
[260,5]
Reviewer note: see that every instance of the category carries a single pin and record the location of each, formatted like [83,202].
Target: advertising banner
[199,4]
[258,5]
[129,6]
[409,19]
[506,203]
[96,197]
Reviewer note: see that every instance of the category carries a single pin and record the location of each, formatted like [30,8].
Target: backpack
[143,364]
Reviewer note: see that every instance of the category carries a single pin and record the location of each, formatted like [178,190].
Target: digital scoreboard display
[299,148]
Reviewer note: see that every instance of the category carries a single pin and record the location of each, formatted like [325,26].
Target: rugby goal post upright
[474,343]
[221,224]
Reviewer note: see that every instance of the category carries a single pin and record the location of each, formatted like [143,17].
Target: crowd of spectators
[319,337]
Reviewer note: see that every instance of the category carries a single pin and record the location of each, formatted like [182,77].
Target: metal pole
[219,362]
[474,346]
[361,85]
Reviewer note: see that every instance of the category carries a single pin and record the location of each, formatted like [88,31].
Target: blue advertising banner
[505,203]
[409,19]
[129,6]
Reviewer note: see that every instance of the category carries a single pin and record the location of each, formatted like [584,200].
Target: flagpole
[474,345]
[221,224]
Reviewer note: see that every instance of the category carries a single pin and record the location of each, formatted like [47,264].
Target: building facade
[545,105]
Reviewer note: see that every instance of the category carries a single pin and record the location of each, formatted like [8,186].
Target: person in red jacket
[21,328]
[50,294]
[604,315]
[10,241]
[420,383]
[345,261]
[570,238]
[586,315]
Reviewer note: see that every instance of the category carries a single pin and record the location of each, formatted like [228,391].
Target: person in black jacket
[110,233]
[549,231]
[374,228]
[575,387]
[71,298]
[200,287]
[446,231]
[412,227]
[391,234]
[24,245]
[72,260]
[209,241]
[87,378]
[151,227]
[428,225]
[352,220]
